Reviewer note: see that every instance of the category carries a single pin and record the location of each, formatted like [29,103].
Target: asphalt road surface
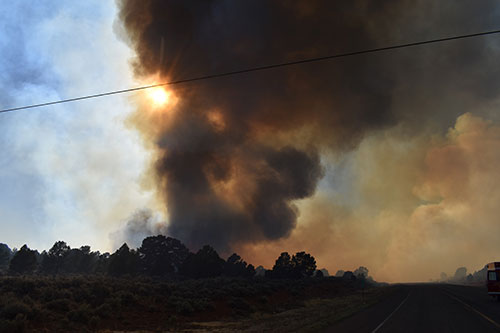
[428,308]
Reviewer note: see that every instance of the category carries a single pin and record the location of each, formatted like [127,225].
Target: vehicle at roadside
[493,279]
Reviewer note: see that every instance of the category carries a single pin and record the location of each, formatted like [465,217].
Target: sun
[159,96]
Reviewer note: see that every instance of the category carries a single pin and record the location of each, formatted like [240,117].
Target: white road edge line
[474,310]
[386,319]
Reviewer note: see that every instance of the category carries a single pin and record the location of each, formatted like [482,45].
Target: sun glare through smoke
[159,96]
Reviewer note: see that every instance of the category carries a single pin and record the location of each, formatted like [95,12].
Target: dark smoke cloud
[237,151]
[199,214]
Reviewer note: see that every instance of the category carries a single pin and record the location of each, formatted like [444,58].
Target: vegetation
[461,277]
[158,256]
[24,261]
[88,303]
[159,286]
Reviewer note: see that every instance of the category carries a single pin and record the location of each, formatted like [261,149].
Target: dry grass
[316,314]
[104,304]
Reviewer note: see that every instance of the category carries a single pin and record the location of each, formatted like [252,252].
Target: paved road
[428,308]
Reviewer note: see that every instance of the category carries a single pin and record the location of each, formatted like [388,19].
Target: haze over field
[388,160]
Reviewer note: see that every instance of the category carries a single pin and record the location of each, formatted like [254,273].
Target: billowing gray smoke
[235,152]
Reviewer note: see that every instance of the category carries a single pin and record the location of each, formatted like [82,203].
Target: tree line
[461,276]
[157,256]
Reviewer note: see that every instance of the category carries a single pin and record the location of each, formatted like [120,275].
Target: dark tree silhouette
[300,265]
[162,255]
[80,261]
[59,249]
[24,261]
[205,263]
[283,266]
[157,256]
[340,273]
[361,272]
[102,263]
[52,261]
[5,255]
[235,266]
[260,271]
[250,271]
[303,264]
[348,275]
[124,262]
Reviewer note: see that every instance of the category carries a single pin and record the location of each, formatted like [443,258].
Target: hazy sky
[71,171]
[408,190]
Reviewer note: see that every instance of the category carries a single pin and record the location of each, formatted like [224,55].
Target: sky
[68,172]
[388,161]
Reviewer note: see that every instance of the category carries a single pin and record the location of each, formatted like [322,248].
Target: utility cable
[254,69]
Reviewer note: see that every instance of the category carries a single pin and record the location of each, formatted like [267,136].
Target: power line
[254,69]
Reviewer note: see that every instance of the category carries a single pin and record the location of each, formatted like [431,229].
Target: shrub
[104,311]
[17,325]
[100,291]
[94,322]
[23,286]
[202,304]
[127,298]
[12,310]
[60,305]
[240,306]
[263,299]
[185,308]
[50,294]
[80,315]
[80,295]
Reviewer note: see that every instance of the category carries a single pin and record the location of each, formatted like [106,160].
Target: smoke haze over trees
[461,277]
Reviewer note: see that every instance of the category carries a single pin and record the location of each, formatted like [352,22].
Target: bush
[17,325]
[94,322]
[263,299]
[104,311]
[202,304]
[56,302]
[80,315]
[51,293]
[23,286]
[80,295]
[100,291]
[12,310]
[240,306]
[184,308]
[60,305]
[127,298]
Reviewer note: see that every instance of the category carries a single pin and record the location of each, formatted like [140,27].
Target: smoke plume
[234,155]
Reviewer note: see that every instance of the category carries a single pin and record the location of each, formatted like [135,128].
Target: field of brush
[105,304]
